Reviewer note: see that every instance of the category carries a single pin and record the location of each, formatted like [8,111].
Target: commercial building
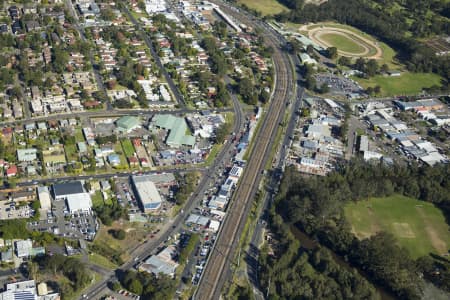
[147,193]
[26,290]
[23,248]
[44,197]
[177,128]
[127,124]
[74,194]
[161,263]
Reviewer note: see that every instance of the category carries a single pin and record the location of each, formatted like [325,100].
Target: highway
[220,260]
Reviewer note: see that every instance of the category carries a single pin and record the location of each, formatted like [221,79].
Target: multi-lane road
[221,258]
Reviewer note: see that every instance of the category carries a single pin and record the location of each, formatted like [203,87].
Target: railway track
[221,258]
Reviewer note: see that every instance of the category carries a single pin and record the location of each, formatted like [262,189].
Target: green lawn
[342,42]
[266,7]
[79,137]
[71,152]
[419,226]
[406,84]
[128,148]
[97,199]
[213,153]
[101,261]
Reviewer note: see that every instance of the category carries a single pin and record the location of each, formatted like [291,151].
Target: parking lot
[337,84]
[13,210]
[59,221]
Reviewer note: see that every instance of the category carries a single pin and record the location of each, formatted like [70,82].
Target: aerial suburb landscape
[224,149]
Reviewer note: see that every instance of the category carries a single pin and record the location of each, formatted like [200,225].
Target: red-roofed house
[134,162]
[11,171]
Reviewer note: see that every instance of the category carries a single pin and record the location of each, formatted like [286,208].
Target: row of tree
[148,286]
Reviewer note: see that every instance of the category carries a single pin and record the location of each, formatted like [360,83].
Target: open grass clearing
[405,84]
[101,261]
[128,148]
[135,233]
[265,7]
[213,153]
[79,137]
[419,226]
[342,42]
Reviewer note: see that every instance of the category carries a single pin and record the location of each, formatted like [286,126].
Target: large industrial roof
[62,189]
[147,192]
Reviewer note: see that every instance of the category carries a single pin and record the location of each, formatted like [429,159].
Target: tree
[33,270]
[296,46]
[332,52]
[135,287]
[344,61]
[246,89]
[116,286]
[377,89]
[222,132]
[324,88]
[371,67]
[118,234]
[310,83]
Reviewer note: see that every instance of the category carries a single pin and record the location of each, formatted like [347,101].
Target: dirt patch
[403,230]
[436,241]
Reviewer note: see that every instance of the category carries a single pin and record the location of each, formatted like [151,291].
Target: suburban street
[174,225]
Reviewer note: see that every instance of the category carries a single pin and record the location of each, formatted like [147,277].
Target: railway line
[218,265]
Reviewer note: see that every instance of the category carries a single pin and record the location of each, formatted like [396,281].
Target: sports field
[405,84]
[265,7]
[419,226]
[350,41]
[342,42]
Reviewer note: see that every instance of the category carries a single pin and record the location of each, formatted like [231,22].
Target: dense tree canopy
[315,205]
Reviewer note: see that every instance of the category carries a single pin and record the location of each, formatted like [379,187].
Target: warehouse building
[177,128]
[44,197]
[127,124]
[147,193]
[74,194]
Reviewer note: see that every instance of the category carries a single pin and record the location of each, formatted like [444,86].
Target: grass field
[419,226]
[128,148]
[342,43]
[406,84]
[266,7]
[101,261]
